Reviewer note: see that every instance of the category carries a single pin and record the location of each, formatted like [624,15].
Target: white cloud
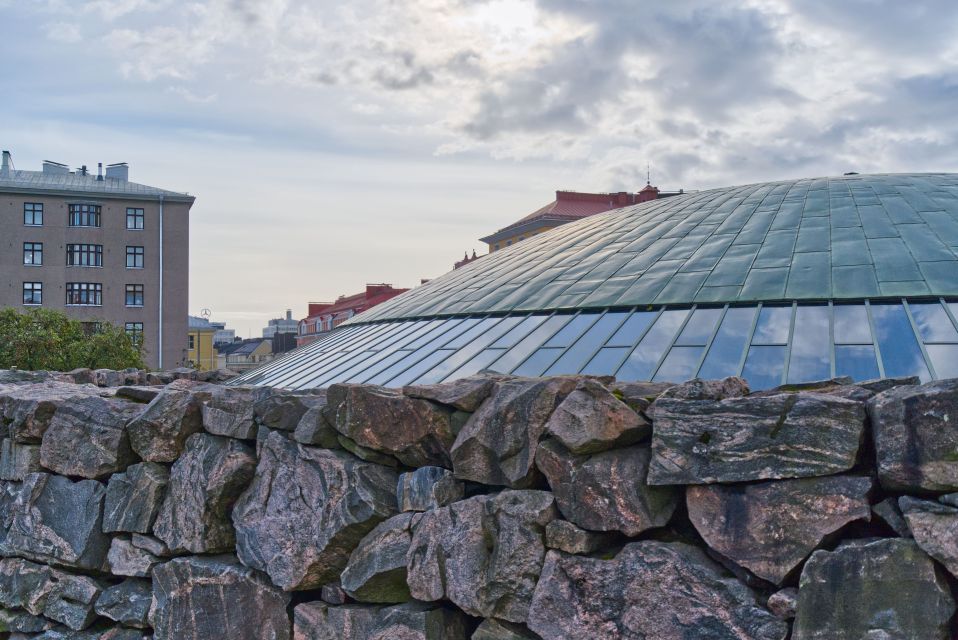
[63,32]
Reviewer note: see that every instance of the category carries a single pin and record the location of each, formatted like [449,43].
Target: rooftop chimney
[49,166]
[118,171]
[82,170]
[99,171]
[7,161]
[289,314]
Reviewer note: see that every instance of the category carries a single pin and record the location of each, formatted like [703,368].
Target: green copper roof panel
[845,237]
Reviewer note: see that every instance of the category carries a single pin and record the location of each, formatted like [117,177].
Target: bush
[42,339]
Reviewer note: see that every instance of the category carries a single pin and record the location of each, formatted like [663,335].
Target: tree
[42,339]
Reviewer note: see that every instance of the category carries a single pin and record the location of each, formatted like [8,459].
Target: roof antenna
[648,173]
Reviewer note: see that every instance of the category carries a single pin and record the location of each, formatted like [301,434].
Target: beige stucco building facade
[98,247]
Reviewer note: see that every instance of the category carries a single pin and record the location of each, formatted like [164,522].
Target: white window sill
[135,268]
[84,305]
[134,306]
[33,304]
[31,264]
[84,266]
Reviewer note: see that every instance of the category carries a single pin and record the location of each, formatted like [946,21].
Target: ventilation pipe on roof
[5,166]
[99,171]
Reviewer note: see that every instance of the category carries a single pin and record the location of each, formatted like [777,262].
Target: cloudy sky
[331,144]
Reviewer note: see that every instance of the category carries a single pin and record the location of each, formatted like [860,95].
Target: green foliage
[42,339]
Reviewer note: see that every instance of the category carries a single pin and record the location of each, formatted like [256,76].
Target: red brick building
[324,316]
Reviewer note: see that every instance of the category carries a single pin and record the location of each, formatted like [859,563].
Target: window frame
[85,213]
[81,249]
[35,249]
[137,215]
[36,294]
[138,251]
[84,290]
[134,290]
[33,213]
[135,331]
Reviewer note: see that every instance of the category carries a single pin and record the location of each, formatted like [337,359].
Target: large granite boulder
[28,409]
[126,559]
[565,536]
[699,389]
[411,621]
[229,411]
[133,498]
[307,509]
[213,597]
[160,431]
[482,553]
[127,603]
[51,519]
[376,571]
[915,429]
[783,603]
[17,460]
[492,629]
[935,529]
[57,595]
[281,409]
[416,432]
[886,588]
[770,527]
[313,427]
[741,439]
[606,491]
[87,437]
[428,488]
[497,446]
[463,394]
[204,485]
[666,591]
[591,419]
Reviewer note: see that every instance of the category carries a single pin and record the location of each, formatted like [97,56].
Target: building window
[134,295]
[134,257]
[192,342]
[135,331]
[134,219]
[85,293]
[33,253]
[84,255]
[92,328]
[32,293]
[84,215]
[33,214]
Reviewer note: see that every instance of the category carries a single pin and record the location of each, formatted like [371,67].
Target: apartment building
[98,247]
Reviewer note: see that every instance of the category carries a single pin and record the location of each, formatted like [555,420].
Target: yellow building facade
[200,352]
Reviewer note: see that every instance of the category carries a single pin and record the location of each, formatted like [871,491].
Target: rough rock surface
[125,559]
[411,621]
[428,488]
[87,437]
[307,509]
[591,419]
[740,439]
[52,519]
[313,428]
[18,460]
[783,604]
[464,394]
[133,498]
[666,591]
[565,536]
[887,511]
[368,415]
[606,491]
[127,603]
[770,527]
[40,590]
[200,598]
[497,446]
[376,571]
[483,553]
[916,436]
[204,485]
[229,411]
[160,432]
[493,629]
[29,408]
[935,529]
[283,410]
[859,591]
[699,389]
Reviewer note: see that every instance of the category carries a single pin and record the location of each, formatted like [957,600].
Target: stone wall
[489,508]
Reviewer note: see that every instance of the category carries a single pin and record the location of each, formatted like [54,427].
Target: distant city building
[244,355]
[281,325]
[223,335]
[466,259]
[91,245]
[567,207]
[324,316]
[201,348]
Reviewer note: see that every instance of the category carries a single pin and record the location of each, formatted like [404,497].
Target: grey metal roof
[849,237]
[84,186]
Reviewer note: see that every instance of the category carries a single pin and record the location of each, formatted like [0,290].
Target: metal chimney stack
[99,171]
[5,166]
